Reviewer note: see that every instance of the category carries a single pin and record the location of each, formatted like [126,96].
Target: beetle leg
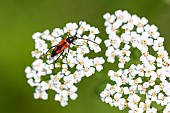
[58,58]
[67,54]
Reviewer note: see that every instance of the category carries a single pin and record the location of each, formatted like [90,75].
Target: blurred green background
[19,19]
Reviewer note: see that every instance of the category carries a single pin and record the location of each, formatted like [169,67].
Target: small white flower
[151,110]
[166,87]
[36,54]
[142,89]
[41,46]
[68,81]
[136,110]
[123,104]
[162,99]
[122,61]
[140,23]
[46,35]
[158,44]
[93,30]
[133,101]
[88,71]
[125,51]
[71,61]
[161,74]
[105,96]
[145,105]
[40,94]
[57,32]
[111,53]
[97,63]
[114,75]
[134,38]
[152,31]
[84,27]
[112,28]
[43,86]
[71,92]
[83,50]
[80,61]
[161,55]
[116,99]
[62,98]
[135,82]
[77,76]
[122,16]
[144,42]
[36,35]
[152,94]
[109,19]
[113,40]
[65,69]
[128,27]
[70,28]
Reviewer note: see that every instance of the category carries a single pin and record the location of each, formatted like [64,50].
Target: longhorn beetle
[65,43]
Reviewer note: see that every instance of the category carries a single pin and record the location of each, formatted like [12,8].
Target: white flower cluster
[138,86]
[73,65]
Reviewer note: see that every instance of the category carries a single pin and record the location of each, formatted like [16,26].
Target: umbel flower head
[71,66]
[139,86]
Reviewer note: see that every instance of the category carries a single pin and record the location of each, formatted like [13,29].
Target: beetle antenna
[50,49]
[83,38]
[88,40]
